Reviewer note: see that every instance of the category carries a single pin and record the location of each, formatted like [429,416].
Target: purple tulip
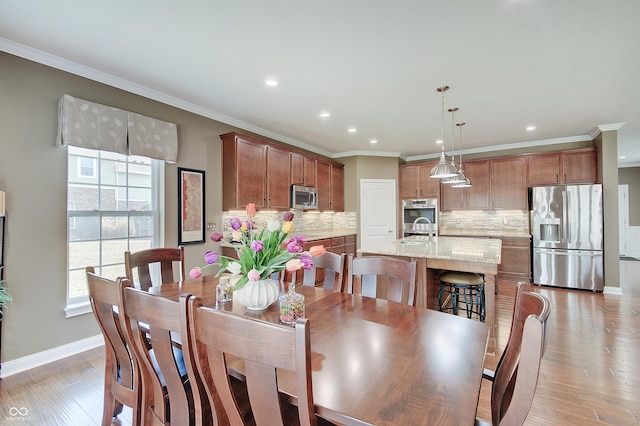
[216,237]
[302,240]
[293,246]
[307,261]
[249,224]
[236,223]
[257,245]
[287,217]
[211,257]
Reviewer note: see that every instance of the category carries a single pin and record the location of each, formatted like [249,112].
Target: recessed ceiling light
[373,141]
[530,128]
[325,114]
[352,130]
[439,141]
[271,82]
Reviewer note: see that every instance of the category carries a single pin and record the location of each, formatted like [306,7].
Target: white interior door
[623,219]
[377,211]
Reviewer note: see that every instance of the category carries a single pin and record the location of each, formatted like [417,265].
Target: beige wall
[33,175]
[631,176]
[607,145]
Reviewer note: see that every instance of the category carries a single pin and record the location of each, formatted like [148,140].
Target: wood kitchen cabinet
[260,172]
[563,167]
[244,172]
[277,178]
[414,181]
[509,183]
[253,172]
[303,170]
[330,184]
[475,197]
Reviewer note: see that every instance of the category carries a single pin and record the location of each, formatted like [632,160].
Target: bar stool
[472,286]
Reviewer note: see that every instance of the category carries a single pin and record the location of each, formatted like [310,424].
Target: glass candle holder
[291,306]
[223,289]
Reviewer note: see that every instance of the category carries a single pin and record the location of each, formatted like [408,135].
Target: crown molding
[368,154]
[604,128]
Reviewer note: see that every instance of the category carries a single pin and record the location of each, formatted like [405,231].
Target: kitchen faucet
[430,225]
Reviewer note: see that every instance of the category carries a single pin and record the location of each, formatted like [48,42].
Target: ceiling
[566,67]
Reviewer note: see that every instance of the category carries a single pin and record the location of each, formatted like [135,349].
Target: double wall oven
[417,214]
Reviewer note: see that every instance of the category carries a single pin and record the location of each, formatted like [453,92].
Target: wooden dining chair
[516,376]
[217,336]
[121,377]
[328,269]
[171,391]
[397,275]
[141,260]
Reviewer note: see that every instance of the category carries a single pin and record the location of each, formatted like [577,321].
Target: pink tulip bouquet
[261,253]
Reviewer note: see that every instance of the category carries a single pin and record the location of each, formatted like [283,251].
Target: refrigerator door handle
[564,217]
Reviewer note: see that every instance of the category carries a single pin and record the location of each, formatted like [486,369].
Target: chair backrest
[121,379]
[171,388]
[264,347]
[516,375]
[141,260]
[398,275]
[332,265]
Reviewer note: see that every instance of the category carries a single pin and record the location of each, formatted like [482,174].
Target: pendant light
[442,169]
[464,181]
[457,178]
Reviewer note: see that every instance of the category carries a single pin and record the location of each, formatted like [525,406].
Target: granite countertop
[471,249]
[479,232]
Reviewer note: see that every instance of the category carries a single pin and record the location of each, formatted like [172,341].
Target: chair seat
[461,278]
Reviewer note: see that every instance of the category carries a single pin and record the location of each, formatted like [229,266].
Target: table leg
[489,293]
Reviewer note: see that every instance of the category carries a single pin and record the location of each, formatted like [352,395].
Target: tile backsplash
[307,221]
[510,221]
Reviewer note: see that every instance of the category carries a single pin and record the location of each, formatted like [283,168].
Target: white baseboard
[612,290]
[28,362]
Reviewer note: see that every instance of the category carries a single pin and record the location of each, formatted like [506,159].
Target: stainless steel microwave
[304,197]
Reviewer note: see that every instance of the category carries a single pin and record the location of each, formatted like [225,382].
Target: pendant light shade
[458,177]
[462,180]
[443,169]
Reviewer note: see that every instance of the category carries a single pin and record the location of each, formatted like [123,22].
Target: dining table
[373,361]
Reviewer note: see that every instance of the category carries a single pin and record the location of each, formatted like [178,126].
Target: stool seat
[471,287]
[461,278]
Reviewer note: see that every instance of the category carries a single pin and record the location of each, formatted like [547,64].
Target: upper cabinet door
[323,179]
[337,188]
[408,176]
[544,169]
[580,166]
[429,187]
[509,183]
[277,178]
[477,196]
[243,172]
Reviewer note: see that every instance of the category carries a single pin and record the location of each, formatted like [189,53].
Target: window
[115,208]
[86,167]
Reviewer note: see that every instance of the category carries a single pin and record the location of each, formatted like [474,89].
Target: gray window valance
[94,126]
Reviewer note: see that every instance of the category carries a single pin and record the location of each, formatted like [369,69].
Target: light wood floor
[590,373]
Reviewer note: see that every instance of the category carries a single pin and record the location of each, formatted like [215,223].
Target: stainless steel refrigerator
[566,225]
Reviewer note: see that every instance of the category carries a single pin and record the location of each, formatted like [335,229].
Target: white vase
[257,295]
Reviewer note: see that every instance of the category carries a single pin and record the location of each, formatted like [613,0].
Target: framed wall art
[191,224]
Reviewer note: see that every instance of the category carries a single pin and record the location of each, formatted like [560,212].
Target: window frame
[79,305]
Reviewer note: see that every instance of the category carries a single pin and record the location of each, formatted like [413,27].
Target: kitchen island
[479,255]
